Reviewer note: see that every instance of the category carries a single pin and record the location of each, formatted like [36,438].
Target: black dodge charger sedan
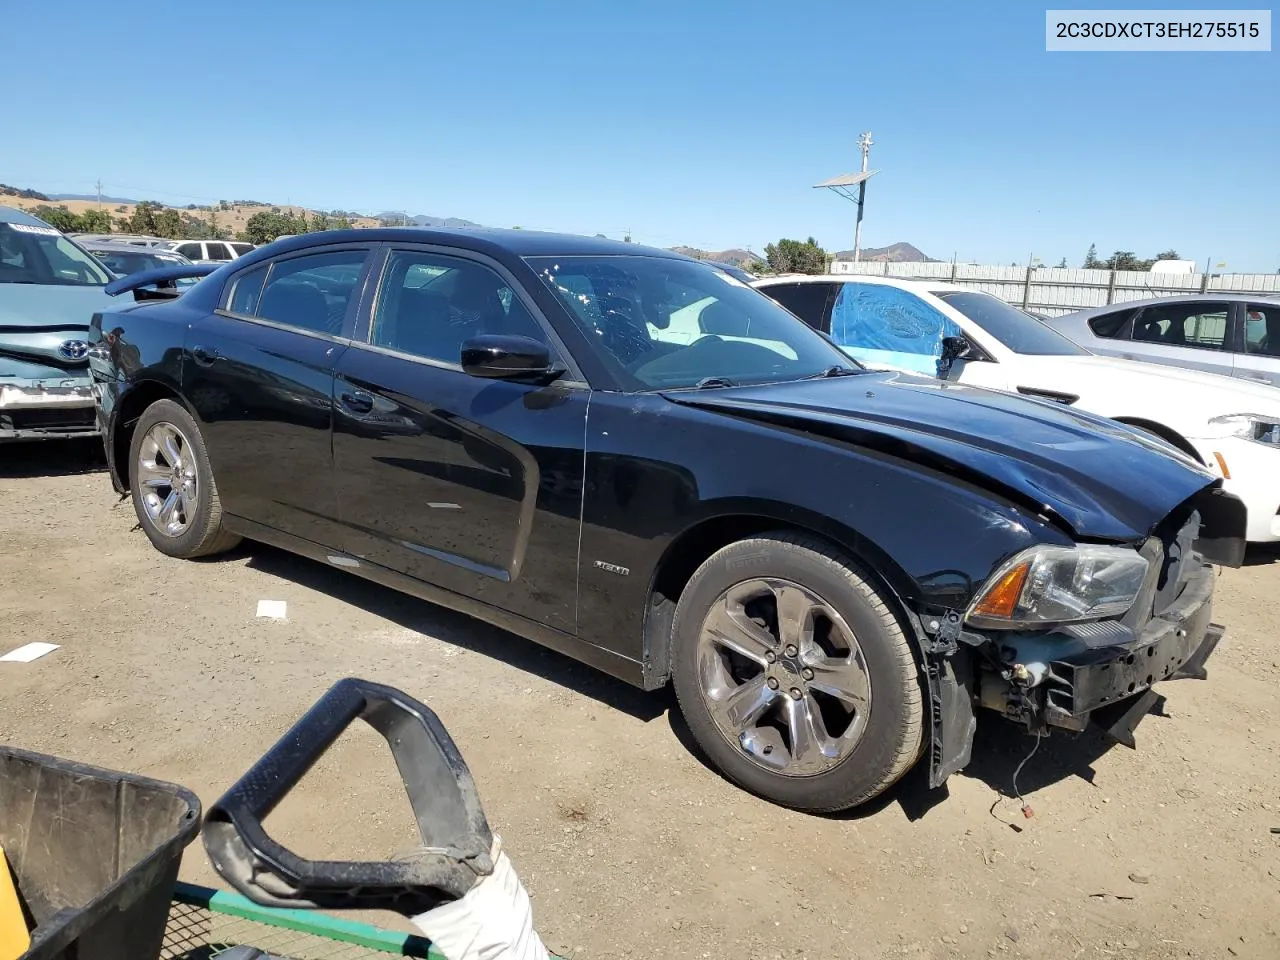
[636,459]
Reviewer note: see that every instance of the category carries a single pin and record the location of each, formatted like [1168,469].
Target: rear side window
[1199,326]
[191,251]
[311,292]
[217,251]
[808,301]
[1262,329]
[241,248]
[1111,325]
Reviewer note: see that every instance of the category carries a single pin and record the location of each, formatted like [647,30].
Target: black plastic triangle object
[456,840]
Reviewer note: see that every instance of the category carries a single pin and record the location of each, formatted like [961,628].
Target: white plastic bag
[494,921]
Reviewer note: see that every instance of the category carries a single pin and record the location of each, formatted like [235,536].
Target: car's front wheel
[174,493]
[794,675]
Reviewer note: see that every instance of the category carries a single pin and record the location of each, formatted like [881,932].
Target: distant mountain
[894,253]
[89,196]
[422,220]
[734,256]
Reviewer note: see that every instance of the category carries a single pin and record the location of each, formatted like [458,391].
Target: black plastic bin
[95,854]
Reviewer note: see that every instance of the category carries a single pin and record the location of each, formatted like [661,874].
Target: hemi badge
[613,568]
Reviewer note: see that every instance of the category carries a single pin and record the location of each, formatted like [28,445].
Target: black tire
[203,534]
[892,739]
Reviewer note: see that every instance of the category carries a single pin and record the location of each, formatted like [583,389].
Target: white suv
[209,251]
[959,334]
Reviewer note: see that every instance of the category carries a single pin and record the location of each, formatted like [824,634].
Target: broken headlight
[1048,584]
[1250,426]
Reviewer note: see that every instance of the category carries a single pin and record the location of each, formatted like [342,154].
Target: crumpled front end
[42,400]
[1097,672]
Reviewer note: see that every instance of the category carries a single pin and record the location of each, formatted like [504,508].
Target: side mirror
[956,348]
[501,357]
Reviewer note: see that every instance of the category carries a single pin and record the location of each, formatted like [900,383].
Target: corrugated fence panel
[1053,291]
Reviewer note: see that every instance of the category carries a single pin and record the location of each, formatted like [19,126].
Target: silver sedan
[1228,333]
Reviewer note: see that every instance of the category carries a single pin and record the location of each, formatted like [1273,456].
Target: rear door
[1260,357]
[1196,335]
[470,484]
[259,373]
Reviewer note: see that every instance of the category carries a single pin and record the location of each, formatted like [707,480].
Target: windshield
[32,254]
[1020,332]
[673,323]
[125,262]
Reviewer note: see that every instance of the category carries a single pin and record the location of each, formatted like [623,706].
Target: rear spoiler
[164,279]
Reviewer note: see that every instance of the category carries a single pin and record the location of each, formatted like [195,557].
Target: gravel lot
[629,846]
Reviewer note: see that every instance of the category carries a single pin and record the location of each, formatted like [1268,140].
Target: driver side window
[886,326]
[429,304]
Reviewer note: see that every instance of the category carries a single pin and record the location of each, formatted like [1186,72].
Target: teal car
[49,289]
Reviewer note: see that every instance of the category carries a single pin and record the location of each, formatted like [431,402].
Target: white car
[209,251]
[937,329]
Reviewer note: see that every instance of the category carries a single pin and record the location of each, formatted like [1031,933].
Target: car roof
[1209,297]
[117,246]
[903,283]
[14,215]
[520,243]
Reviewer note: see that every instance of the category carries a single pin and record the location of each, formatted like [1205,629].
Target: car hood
[49,305]
[1211,393]
[37,319]
[1099,478]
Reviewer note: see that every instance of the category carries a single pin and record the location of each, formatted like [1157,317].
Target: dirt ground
[628,844]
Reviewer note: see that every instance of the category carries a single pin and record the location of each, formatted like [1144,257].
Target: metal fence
[1052,291]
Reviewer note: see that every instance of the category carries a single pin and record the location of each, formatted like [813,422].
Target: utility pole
[99,193]
[864,143]
[844,184]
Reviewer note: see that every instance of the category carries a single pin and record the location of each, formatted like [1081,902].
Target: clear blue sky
[699,122]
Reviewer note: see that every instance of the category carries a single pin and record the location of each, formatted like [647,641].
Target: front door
[470,484]
[259,372]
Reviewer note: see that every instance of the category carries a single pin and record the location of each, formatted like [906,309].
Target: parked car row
[637,459]
[965,336]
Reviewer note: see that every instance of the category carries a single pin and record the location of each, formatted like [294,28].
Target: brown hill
[894,253]
[234,217]
[733,256]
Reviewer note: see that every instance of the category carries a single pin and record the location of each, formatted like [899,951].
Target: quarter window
[429,304]
[245,290]
[1111,325]
[1199,326]
[886,326]
[1262,329]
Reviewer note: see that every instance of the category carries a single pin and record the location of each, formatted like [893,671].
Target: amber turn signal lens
[1226,474]
[1001,600]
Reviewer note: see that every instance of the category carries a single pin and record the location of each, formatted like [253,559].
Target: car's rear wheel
[174,493]
[794,674]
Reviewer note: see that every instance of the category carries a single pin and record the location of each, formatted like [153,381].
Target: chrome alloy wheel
[166,471]
[783,676]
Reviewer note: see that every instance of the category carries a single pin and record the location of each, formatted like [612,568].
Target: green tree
[1168,255]
[342,223]
[1091,261]
[58,217]
[1126,260]
[264,227]
[143,219]
[1062,263]
[95,221]
[792,256]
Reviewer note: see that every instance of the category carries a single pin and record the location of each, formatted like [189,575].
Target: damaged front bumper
[47,409]
[1100,673]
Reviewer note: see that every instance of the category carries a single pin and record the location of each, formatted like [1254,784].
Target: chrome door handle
[205,356]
